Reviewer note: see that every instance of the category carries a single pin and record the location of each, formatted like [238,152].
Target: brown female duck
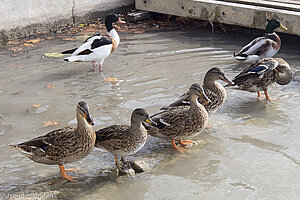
[258,76]
[64,145]
[212,89]
[181,122]
[125,140]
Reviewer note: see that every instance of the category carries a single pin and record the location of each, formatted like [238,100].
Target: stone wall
[20,18]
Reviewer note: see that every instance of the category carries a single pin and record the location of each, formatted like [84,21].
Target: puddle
[251,152]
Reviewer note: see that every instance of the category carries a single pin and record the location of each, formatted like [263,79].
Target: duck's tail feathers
[72,59]
[70,51]
[241,57]
[20,149]
[229,85]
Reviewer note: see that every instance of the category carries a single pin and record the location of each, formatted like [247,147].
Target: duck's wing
[92,44]
[257,47]
[168,117]
[110,133]
[255,71]
[55,138]
[181,101]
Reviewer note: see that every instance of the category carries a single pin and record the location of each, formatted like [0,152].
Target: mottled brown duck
[212,89]
[259,76]
[181,122]
[64,145]
[123,140]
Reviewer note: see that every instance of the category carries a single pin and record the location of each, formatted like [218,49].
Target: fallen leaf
[15,49]
[36,105]
[13,42]
[34,41]
[69,39]
[50,123]
[139,32]
[113,81]
[49,38]
[98,107]
[53,54]
[110,80]
[50,85]
[28,45]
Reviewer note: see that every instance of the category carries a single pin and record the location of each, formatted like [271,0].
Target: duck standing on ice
[97,47]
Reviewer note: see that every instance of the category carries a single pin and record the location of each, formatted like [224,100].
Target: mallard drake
[257,77]
[181,122]
[262,47]
[97,47]
[123,140]
[213,90]
[64,145]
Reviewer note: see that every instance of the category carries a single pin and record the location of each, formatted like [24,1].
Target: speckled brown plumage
[181,122]
[122,140]
[213,90]
[259,76]
[64,145]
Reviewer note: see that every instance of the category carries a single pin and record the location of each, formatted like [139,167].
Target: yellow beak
[150,121]
[283,27]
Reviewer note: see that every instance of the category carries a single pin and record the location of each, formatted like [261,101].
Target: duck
[181,122]
[65,145]
[259,76]
[262,47]
[97,47]
[123,140]
[213,90]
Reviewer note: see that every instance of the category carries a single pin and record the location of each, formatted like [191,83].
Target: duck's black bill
[89,119]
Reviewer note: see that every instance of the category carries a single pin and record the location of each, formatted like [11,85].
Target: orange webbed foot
[180,149]
[186,142]
[64,174]
[268,97]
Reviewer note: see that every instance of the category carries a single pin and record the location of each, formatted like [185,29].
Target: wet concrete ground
[251,151]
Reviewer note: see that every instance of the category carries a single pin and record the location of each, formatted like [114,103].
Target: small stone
[140,166]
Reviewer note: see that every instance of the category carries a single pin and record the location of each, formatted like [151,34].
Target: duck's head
[112,18]
[215,74]
[139,115]
[283,72]
[273,24]
[197,91]
[83,112]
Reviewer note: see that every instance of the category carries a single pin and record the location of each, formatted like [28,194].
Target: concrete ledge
[233,13]
[22,18]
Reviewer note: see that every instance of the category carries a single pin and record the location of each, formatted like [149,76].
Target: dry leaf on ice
[113,81]
[13,42]
[50,123]
[28,45]
[50,85]
[36,105]
[53,54]
[15,49]
[34,41]
[69,39]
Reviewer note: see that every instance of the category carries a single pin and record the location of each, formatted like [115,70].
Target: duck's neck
[273,36]
[113,33]
[209,81]
[194,102]
[82,124]
[135,125]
